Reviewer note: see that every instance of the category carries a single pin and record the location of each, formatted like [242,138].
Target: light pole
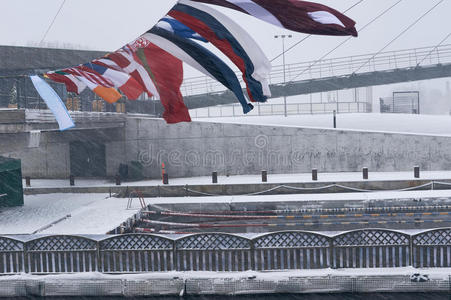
[283,37]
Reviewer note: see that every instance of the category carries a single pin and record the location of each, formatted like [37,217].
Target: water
[344,296]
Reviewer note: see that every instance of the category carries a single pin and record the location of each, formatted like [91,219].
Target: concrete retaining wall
[214,285]
[198,148]
[50,158]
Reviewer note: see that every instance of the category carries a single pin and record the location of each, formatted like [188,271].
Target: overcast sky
[110,24]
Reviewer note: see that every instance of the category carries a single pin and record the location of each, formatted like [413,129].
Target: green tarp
[11,189]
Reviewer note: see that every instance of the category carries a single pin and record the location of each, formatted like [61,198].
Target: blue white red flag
[239,47]
[198,57]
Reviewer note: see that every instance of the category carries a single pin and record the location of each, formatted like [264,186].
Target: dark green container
[11,189]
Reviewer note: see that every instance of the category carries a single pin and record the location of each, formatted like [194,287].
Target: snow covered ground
[89,214]
[97,214]
[401,123]
[246,179]
[434,274]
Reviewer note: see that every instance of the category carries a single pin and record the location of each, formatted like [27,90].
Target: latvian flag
[300,16]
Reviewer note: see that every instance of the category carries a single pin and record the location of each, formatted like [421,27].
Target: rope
[308,36]
[430,52]
[53,21]
[323,188]
[399,35]
[342,43]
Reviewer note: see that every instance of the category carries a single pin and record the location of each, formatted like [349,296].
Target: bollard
[165,178]
[28,181]
[314,174]
[365,173]
[72,180]
[264,176]
[118,179]
[416,172]
[214,177]
[335,119]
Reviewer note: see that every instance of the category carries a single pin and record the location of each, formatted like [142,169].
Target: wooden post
[365,173]
[314,174]
[416,172]
[165,178]
[264,176]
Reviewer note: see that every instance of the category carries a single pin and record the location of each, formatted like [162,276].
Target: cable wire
[342,43]
[308,36]
[399,35]
[53,21]
[433,49]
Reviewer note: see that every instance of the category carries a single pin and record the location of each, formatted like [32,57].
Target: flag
[200,58]
[207,25]
[72,84]
[121,80]
[126,59]
[168,81]
[173,26]
[300,16]
[130,64]
[53,102]
[100,86]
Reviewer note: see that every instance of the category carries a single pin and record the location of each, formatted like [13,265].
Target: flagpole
[283,36]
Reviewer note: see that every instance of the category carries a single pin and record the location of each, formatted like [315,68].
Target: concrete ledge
[244,189]
[215,283]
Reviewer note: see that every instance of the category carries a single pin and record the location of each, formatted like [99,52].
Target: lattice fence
[371,248]
[432,248]
[133,253]
[61,254]
[12,258]
[213,252]
[291,250]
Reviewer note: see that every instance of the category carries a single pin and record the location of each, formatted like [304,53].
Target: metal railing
[267,109]
[341,66]
[288,250]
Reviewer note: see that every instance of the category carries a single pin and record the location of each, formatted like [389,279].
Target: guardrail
[266,109]
[340,66]
[288,250]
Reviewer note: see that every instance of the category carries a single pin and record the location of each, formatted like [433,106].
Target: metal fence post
[174,256]
[331,253]
[25,268]
[98,264]
[252,263]
[412,263]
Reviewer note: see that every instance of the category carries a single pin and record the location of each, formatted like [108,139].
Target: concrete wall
[200,148]
[51,157]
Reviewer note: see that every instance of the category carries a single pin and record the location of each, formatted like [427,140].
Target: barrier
[61,254]
[291,250]
[11,256]
[287,250]
[134,253]
[213,252]
[432,248]
[371,248]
